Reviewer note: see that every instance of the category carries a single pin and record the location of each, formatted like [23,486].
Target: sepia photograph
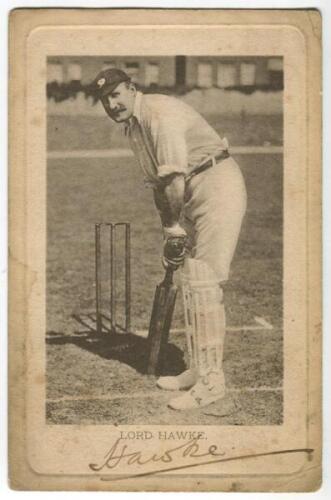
[164,166]
[165,239]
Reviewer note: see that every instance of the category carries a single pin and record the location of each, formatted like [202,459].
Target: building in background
[234,72]
[158,71]
[174,72]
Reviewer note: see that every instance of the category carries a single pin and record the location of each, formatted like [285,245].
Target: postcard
[165,250]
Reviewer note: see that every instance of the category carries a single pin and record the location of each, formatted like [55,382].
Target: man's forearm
[169,200]
[174,192]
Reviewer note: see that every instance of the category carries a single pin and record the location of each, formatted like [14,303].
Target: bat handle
[168,278]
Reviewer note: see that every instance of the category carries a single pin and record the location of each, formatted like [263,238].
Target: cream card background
[58,456]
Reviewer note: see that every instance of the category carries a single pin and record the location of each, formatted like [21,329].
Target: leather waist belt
[223,155]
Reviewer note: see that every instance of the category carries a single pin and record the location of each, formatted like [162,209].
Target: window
[74,72]
[226,75]
[152,74]
[131,70]
[247,74]
[54,72]
[205,75]
[275,64]
[275,73]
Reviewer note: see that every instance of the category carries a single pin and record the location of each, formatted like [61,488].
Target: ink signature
[120,454]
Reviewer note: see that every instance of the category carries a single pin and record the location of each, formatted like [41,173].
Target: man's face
[119,103]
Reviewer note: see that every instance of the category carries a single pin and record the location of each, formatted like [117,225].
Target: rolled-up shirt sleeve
[168,134]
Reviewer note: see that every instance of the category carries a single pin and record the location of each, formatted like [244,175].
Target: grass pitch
[91,380]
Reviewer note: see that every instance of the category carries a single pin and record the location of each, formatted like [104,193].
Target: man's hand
[174,251]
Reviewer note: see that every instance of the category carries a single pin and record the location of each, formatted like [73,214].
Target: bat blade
[160,323]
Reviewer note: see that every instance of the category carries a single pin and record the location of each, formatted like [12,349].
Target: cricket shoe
[180,382]
[208,389]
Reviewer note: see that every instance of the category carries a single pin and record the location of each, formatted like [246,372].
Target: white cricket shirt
[168,136]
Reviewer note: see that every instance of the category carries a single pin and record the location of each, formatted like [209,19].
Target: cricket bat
[159,327]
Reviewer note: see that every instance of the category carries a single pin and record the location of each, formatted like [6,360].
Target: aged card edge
[22,22]
[314,226]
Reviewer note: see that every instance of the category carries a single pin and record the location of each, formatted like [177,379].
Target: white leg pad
[204,316]
[205,331]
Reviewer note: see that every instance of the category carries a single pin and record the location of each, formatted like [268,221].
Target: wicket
[113,229]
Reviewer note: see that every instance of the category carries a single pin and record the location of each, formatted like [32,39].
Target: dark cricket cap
[107,80]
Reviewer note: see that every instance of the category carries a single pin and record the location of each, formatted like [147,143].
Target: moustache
[117,111]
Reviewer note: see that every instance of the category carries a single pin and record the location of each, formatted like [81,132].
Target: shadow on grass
[122,346]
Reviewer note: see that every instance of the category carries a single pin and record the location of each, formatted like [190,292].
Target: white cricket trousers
[213,213]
